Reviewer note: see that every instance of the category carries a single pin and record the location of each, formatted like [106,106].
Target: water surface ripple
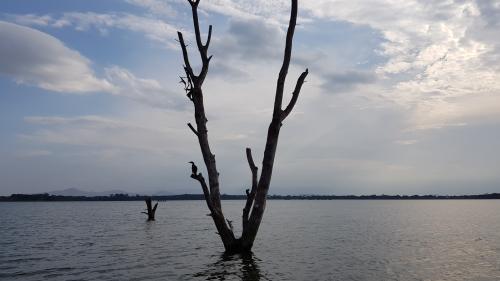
[298,240]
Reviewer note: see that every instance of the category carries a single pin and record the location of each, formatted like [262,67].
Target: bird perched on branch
[194,169]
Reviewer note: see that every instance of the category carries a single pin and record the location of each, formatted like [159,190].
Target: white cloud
[34,153]
[36,58]
[433,60]
[154,29]
[97,132]
[250,39]
[32,19]
[406,142]
[338,82]
[148,91]
[264,10]
[157,7]
[436,51]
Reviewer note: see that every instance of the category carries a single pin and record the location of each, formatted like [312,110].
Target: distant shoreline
[45,197]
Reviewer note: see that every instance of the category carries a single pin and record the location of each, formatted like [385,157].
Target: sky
[402,97]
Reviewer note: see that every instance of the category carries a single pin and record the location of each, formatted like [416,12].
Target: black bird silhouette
[194,169]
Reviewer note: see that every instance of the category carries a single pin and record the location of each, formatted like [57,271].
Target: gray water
[298,240]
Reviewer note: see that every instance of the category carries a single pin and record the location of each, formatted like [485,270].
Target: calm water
[298,240]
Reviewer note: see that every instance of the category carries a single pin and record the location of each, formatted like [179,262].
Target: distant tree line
[126,197]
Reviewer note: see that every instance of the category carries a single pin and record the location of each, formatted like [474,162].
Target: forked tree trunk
[257,195]
[151,211]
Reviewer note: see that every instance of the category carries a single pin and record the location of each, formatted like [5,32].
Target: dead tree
[257,194]
[151,210]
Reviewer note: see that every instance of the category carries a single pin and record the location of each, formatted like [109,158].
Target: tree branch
[208,37]
[230,223]
[187,65]
[251,194]
[199,177]
[286,63]
[253,168]
[194,2]
[192,129]
[295,95]
[202,49]
[197,31]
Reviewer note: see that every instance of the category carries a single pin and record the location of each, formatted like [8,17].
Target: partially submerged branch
[151,211]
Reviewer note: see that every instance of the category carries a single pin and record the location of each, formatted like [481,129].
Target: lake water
[298,240]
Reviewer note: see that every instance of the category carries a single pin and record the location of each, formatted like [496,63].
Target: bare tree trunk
[151,210]
[257,195]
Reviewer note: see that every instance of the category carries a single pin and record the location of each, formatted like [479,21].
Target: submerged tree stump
[151,210]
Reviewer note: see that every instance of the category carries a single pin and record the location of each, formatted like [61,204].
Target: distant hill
[160,193]
[79,192]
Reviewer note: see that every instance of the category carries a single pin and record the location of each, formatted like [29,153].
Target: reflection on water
[230,267]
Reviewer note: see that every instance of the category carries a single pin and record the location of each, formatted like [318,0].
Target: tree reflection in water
[230,267]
